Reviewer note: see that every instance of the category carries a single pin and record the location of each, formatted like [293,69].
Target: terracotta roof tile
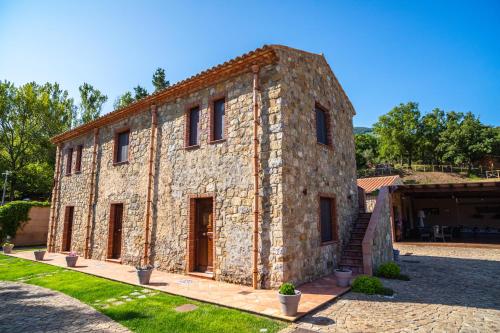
[375,183]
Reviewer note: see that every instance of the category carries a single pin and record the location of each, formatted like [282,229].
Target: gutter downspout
[91,193]
[154,122]
[55,193]
[255,71]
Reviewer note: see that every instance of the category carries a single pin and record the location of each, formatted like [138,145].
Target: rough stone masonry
[294,171]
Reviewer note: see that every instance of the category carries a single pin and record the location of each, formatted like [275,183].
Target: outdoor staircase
[352,256]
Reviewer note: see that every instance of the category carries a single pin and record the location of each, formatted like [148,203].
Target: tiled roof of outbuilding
[375,183]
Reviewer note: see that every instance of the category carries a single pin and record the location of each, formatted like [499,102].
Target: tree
[159,79]
[366,150]
[123,100]
[91,103]
[399,132]
[465,139]
[140,92]
[29,116]
[432,125]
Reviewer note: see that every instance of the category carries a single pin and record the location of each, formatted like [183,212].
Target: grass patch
[141,310]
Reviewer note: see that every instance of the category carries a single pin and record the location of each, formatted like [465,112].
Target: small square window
[322,126]
[328,220]
[78,164]
[121,146]
[193,126]
[69,161]
[218,115]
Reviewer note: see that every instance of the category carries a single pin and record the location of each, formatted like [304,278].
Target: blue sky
[439,53]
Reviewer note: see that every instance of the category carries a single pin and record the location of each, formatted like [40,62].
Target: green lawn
[139,309]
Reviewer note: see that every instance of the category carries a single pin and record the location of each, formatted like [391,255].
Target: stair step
[352,253]
[358,241]
[351,261]
[362,215]
[354,247]
[359,230]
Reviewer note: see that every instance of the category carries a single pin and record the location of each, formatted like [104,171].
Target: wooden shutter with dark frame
[69,161]
[78,164]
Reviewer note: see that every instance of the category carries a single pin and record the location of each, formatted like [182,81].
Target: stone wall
[377,244]
[312,169]
[294,169]
[222,169]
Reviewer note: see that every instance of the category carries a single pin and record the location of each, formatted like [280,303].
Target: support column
[255,275]
[152,144]
[91,194]
[55,196]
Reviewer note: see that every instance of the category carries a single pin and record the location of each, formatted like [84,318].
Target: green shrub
[14,215]
[389,270]
[287,289]
[367,285]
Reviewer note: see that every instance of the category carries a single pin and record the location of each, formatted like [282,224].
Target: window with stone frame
[217,121]
[69,161]
[78,163]
[193,127]
[328,219]
[121,150]
[322,125]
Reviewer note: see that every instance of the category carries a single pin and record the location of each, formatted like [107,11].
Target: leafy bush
[14,215]
[287,289]
[389,270]
[367,285]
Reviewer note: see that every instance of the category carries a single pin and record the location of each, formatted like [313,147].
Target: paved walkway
[27,308]
[264,302]
[451,290]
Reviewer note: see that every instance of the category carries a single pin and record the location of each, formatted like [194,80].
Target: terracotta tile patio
[263,302]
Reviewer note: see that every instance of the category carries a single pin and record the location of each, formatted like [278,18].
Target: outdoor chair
[437,233]
[447,232]
[425,234]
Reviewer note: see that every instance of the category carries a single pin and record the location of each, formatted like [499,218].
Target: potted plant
[71,259]
[343,277]
[39,254]
[289,299]
[144,273]
[7,247]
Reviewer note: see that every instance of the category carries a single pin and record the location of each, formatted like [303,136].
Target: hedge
[14,215]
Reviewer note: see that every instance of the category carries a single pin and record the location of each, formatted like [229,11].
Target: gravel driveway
[27,308]
[451,290]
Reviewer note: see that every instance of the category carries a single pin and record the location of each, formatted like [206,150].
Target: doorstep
[258,301]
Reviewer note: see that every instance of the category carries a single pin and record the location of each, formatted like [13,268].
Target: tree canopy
[91,103]
[403,136]
[159,79]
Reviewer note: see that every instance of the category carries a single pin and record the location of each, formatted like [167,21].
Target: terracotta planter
[144,275]
[39,255]
[8,249]
[71,261]
[289,303]
[343,277]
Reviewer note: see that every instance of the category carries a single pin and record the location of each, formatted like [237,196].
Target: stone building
[173,179]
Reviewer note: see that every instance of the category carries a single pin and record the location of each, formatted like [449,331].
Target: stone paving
[451,290]
[262,301]
[27,308]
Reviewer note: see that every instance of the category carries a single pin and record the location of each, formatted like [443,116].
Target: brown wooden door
[204,235]
[68,228]
[116,231]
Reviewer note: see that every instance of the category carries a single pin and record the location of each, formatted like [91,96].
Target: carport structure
[455,212]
